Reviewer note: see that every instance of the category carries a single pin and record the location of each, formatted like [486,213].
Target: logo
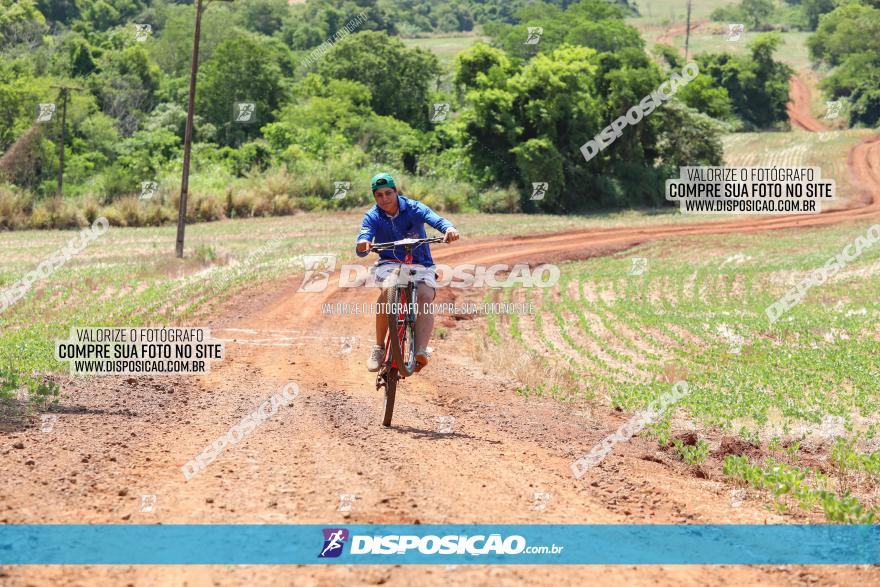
[47,422]
[245,112]
[639,266]
[539,189]
[737,497]
[541,500]
[341,188]
[735,340]
[142,31]
[535,33]
[334,540]
[737,259]
[45,112]
[148,503]
[148,189]
[446,424]
[346,500]
[348,343]
[832,109]
[440,112]
[735,32]
[317,272]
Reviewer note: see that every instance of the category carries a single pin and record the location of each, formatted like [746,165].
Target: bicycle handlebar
[407,242]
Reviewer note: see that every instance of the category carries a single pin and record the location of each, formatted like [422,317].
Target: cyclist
[396,217]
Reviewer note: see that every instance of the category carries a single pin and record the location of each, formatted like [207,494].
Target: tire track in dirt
[799,107]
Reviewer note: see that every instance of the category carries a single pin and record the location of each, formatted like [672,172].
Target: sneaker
[376,356]
[421,360]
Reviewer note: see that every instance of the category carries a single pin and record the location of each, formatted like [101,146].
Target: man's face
[386,198]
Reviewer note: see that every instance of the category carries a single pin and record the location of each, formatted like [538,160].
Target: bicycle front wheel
[401,329]
[390,394]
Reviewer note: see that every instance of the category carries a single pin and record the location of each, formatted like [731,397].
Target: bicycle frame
[403,319]
[407,293]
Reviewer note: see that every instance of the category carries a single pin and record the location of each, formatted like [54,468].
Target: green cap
[382,180]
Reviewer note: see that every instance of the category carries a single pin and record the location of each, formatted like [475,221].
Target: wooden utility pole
[187,137]
[687,37]
[63,96]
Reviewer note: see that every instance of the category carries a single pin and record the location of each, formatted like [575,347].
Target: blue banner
[553,544]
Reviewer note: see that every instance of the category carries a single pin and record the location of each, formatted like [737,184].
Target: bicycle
[400,308]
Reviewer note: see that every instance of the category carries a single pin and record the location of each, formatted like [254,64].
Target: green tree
[688,137]
[64,11]
[851,28]
[263,16]
[757,13]
[80,57]
[241,70]
[605,35]
[323,121]
[705,96]
[866,103]
[19,95]
[814,9]
[480,66]
[172,46]
[855,70]
[101,15]
[756,84]
[309,24]
[589,23]
[126,85]
[399,78]
[20,22]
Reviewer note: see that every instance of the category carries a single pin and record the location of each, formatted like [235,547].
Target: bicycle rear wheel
[402,331]
[390,393]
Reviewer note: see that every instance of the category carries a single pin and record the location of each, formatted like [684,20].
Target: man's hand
[364,246]
[450,236]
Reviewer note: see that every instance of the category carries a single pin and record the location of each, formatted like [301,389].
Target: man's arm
[365,237]
[437,222]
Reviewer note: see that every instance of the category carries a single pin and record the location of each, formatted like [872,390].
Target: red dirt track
[799,107]
[122,439]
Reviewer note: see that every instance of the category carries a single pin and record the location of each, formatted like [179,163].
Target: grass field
[826,150]
[698,314]
[445,48]
[713,38]
[658,12]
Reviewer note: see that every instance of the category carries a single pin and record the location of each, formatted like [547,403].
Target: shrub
[113,215]
[205,208]
[15,207]
[56,212]
[239,204]
[22,164]
[90,209]
[261,206]
[494,200]
[131,211]
[310,203]
[283,205]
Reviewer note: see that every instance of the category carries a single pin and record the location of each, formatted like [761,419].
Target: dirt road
[799,108]
[676,31]
[117,440]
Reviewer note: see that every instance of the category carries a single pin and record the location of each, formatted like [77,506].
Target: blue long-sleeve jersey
[412,215]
